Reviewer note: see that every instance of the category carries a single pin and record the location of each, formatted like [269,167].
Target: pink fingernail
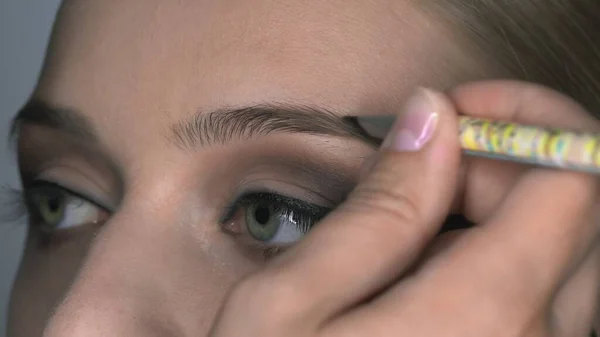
[416,124]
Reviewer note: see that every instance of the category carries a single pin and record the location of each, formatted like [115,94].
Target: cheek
[161,277]
[47,269]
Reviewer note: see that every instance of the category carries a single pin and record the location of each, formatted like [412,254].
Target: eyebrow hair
[206,129]
[223,125]
[38,112]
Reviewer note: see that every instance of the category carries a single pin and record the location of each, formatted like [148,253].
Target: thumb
[390,216]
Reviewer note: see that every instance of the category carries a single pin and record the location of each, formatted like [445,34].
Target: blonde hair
[551,42]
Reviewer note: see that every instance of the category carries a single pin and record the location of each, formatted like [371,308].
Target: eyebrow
[205,129]
[224,125]
[37,112]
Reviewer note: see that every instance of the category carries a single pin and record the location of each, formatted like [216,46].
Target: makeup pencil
[560,149]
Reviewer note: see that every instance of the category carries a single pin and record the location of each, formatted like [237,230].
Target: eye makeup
[328,169]
[48,155]
[261,206]
[273,191]
[273,206]
[267,193]
[54,213]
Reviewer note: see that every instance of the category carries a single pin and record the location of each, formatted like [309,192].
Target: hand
[528,268]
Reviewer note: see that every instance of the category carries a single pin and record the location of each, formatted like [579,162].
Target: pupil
[262,215]
[54,204]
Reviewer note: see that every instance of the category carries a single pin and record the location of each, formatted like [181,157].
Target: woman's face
[173,146]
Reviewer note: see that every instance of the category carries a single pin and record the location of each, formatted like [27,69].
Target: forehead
[118,60]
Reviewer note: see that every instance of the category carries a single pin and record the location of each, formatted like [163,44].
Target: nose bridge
[141,278]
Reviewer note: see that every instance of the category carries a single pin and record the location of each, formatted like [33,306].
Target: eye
[271,219]
[53,208]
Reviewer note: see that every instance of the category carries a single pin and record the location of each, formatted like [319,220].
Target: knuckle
[399,205]
[394,212]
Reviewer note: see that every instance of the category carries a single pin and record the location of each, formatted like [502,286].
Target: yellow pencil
[562,149]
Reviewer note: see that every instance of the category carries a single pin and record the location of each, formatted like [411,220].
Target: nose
[147,277]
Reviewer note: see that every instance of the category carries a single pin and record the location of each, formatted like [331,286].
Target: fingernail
[416,124]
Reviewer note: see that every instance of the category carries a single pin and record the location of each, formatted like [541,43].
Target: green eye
[54,208]
[272,219]
[262,222]
[49,207]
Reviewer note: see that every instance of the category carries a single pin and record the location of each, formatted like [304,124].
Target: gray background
[24,30]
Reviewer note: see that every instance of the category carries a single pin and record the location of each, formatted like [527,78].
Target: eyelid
[42,183]
[281,185]
[239,200]
[309,177]
[77,167]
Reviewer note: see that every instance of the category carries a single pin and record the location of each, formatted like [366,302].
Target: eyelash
[304,210]
[288,212]
[13,204]
[19,203]
[304,215]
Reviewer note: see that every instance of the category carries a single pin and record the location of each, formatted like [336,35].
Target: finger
[490,281]
[521,102]
[532,104]
[368,165]
[524,252]
[488,181]
[574,308]
[386,221]
[535,236]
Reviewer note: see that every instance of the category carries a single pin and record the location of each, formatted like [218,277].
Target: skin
[161,264]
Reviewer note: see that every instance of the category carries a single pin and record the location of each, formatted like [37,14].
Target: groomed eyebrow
[205,129]
[241,123]
[37,112]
